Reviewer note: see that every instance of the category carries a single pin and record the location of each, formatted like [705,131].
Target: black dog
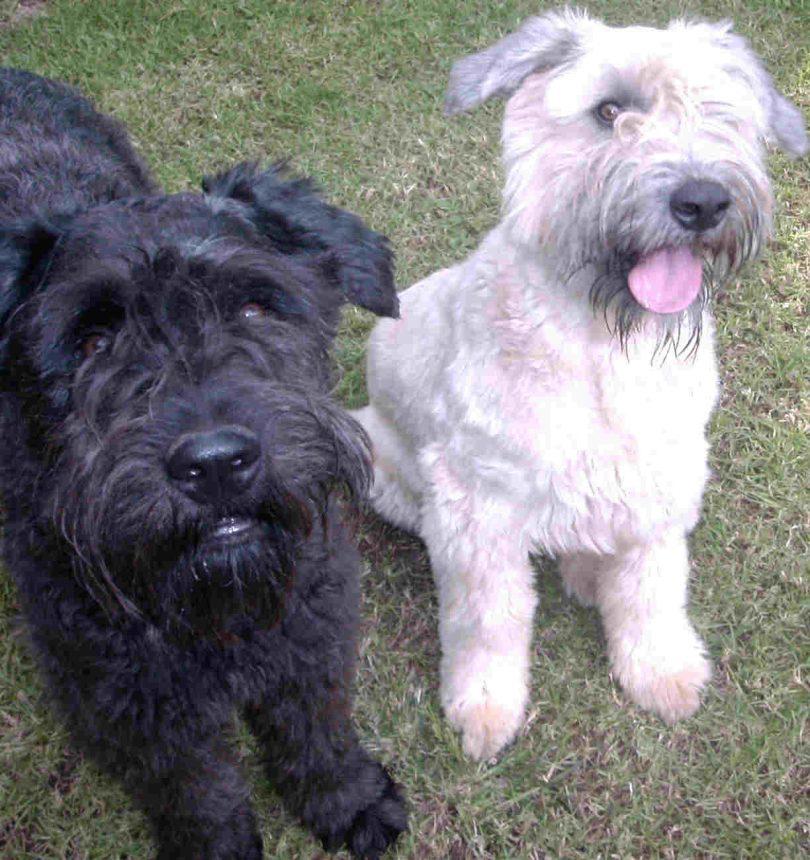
[174,473]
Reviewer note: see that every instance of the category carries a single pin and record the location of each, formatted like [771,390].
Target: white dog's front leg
[655,653]
[486,605]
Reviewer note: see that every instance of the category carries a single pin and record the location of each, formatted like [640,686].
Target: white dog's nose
[699,205]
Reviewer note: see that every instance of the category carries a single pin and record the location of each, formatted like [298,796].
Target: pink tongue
[666,281]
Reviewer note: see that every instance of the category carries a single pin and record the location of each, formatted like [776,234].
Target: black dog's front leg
[323,774]
[136,708]
[197,803]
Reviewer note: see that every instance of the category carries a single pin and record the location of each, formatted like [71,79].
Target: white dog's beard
[613,300]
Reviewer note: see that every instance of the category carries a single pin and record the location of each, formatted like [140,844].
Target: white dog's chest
[605,448]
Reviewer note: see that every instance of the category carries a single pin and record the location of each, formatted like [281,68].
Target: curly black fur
[124,328]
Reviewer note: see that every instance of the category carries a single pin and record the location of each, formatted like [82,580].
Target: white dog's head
[634,153]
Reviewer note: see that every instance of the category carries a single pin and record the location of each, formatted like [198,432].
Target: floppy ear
[25,252]
[786,126]
[292,214]
[541,43]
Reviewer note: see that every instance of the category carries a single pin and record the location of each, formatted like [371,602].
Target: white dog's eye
[608,112]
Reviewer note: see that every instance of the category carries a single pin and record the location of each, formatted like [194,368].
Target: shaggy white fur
[514,407]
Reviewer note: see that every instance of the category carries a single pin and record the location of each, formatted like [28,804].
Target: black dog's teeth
[232,526]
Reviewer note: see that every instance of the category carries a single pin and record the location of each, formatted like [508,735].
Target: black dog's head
[165,370]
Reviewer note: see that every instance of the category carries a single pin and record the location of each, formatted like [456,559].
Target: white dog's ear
[786,126]
[540,43]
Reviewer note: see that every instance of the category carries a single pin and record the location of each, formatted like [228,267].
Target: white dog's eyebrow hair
[616,85]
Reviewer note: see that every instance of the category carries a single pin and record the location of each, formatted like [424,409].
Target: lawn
[352,93]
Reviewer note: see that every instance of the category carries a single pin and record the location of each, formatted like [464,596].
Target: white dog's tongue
[666,281]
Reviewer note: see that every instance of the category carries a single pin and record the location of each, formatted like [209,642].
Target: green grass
[352,92]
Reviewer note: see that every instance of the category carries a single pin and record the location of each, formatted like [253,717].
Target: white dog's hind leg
[392,495]
[655,653]
[580,572]
[486,605]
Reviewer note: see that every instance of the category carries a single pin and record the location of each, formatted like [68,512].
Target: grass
[352,91]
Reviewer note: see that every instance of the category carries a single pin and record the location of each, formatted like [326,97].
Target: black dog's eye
[608,112]
[253,311]
[94,344]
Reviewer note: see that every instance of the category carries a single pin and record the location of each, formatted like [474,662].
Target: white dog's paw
[488,713]
[674,694]
[486,726]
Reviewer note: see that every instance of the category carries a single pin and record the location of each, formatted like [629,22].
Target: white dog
[552,391]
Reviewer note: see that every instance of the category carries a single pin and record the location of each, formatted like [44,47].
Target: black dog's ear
[26,249]
[292,214]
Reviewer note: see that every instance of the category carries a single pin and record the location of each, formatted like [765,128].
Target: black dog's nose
[699,204]
[214,464]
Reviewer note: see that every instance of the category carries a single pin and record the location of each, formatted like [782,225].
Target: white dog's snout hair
[526,400]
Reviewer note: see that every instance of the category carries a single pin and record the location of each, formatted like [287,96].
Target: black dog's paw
[238,839]
[378,825]
[249,848]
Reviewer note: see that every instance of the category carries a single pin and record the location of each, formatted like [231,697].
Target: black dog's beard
[188,575]
[217,587]
[200,580]
[145,551]
[198,587]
